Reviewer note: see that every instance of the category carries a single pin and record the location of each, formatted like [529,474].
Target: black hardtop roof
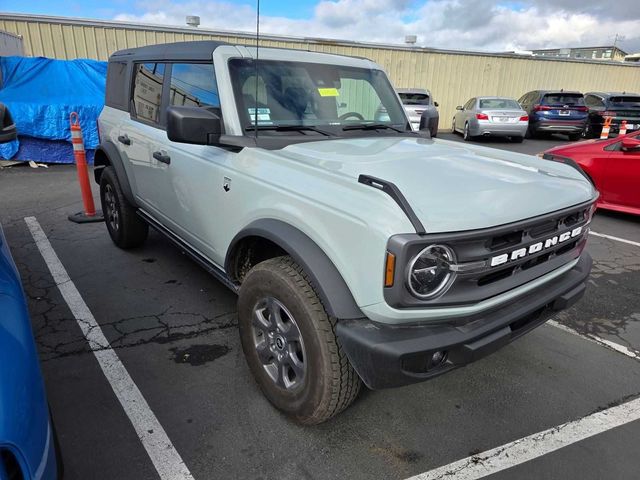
[195,51]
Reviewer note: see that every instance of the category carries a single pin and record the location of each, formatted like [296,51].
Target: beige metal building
[452,76]
[610,52]
[10,44]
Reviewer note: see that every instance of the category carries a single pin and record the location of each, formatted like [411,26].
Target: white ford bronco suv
[361,251]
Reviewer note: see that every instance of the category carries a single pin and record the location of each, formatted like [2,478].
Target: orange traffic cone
[623,128]
[89,214]
[606,128]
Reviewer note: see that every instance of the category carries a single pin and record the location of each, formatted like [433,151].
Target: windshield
[499,103]
[628,101]
[563,99]
[414,98]
[291,94]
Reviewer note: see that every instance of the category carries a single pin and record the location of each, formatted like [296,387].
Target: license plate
[565,112]
[501,119]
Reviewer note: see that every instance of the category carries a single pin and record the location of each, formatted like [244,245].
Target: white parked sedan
[491,116]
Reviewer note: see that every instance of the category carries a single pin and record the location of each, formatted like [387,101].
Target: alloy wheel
[112,213]
[278,342]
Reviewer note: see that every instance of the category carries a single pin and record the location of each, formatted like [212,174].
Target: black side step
[394,192]
[205,263]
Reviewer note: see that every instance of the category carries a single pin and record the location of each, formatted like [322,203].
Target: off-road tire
[126,228]
[330,382]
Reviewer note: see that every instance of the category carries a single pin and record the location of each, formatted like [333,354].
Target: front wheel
[290,344]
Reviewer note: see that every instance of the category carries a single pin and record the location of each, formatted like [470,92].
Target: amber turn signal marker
[390,269]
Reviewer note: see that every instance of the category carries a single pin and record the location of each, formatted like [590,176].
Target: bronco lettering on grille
[535,248]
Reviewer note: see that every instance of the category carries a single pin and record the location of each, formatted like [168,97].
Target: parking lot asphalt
[174,329]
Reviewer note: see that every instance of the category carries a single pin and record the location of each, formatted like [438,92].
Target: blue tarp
[45,151]
[42,92]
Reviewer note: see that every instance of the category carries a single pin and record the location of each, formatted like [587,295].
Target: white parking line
[600,341]
[617,239]
[536,445]
[163,454]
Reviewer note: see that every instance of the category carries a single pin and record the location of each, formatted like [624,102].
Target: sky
[485,25]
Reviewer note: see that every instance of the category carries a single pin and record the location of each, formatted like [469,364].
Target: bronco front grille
[499,258]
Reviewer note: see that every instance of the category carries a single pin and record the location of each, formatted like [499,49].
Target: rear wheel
[517,139]
[466,134]
[126,228]
[290,344]
[530,133]
[574,136]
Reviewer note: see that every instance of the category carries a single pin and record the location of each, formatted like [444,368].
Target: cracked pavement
[173,327]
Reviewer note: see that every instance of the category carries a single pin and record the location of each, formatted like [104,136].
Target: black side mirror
[459,107]
[8,130]
[198,125]
[436,104]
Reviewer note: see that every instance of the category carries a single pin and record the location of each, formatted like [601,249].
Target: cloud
[453,24]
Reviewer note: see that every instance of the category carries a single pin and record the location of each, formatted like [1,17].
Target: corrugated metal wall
[452,77]
[10,44]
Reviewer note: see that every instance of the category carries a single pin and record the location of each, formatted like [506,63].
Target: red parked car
[613,165]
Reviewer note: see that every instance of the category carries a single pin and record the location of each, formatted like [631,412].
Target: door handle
[124,139]
[162,157]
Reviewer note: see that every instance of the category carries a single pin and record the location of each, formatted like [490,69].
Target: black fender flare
[325,277]
[110,151]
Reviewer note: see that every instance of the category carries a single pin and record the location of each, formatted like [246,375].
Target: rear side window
[562,99]
[116,94]
[147,91]
[193,85]
[527,98]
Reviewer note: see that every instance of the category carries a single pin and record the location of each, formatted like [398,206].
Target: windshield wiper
[289,128]
[372,126]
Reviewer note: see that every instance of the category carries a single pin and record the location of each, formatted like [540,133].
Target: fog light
[438,358]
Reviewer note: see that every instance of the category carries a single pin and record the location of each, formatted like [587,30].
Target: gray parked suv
[421,109]
[361,251]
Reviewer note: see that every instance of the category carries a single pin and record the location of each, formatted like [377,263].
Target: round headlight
[429,273]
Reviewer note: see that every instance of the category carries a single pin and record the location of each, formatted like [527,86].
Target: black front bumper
[391,356]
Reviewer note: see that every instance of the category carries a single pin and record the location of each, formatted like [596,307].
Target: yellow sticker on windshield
[328,92]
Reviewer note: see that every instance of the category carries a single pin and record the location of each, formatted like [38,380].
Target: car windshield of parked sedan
[628,101]
[563,99]
[303,96]
[499,103]
[414,98]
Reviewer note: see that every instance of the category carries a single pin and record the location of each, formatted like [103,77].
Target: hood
[453,186]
